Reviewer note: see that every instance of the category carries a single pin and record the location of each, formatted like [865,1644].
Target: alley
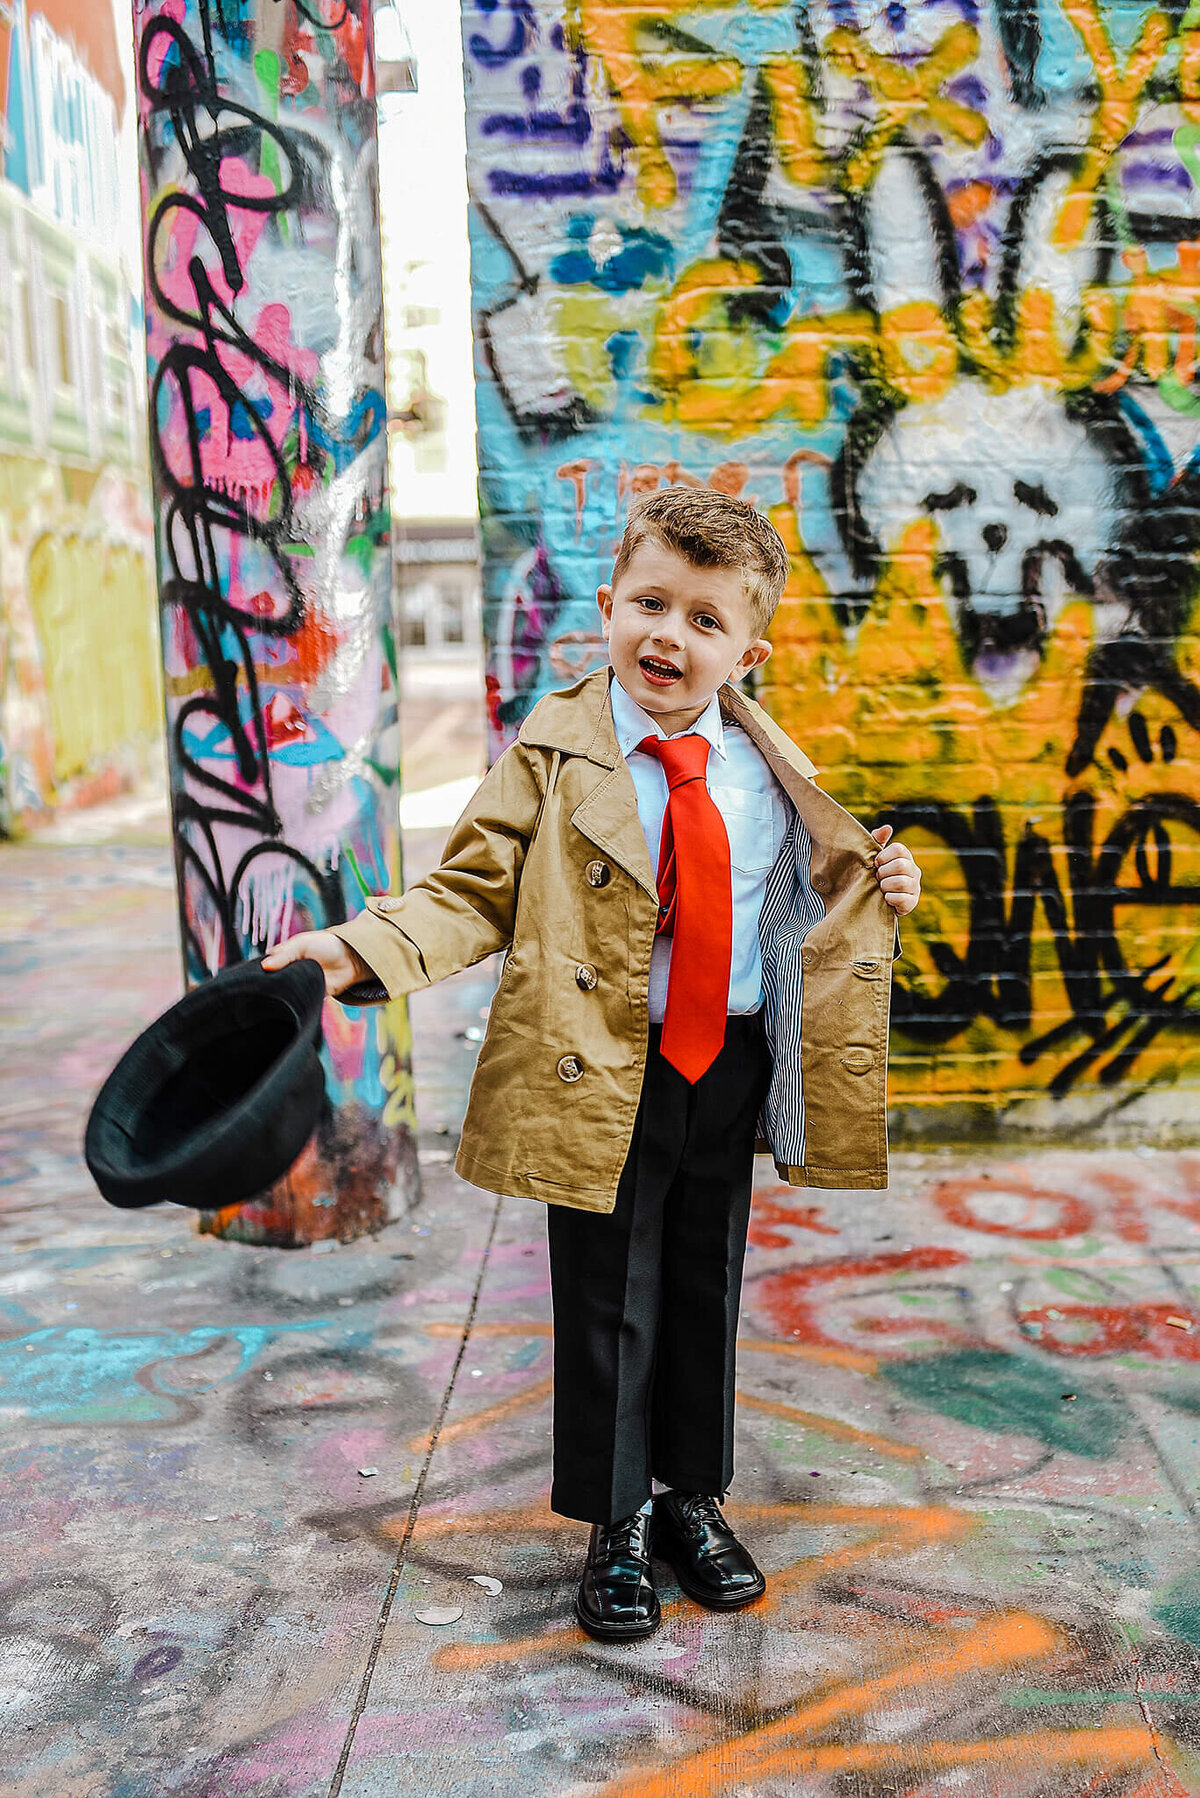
[233,1479]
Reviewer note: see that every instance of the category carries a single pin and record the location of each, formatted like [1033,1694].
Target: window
[116,357]
[413,617]
[62,340]
[450,604]
[31,335]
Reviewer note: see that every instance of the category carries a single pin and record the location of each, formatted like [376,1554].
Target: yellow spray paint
[80,682]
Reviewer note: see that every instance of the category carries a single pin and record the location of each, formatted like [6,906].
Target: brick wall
[922,281]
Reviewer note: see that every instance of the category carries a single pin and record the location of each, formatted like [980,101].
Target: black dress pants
[646,1298]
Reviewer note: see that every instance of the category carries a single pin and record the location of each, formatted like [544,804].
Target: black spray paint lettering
[1117,1011]
[211,129]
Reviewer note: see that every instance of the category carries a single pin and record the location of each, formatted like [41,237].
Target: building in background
[437,577]
[431,393]
[80,708]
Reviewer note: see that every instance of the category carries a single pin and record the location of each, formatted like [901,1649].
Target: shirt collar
[631,723]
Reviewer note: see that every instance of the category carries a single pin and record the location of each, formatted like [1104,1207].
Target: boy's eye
[648,600]
[707,622]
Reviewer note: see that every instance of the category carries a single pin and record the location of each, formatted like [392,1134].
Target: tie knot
[682,758]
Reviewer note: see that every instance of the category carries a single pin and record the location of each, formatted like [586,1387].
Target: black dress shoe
[708,1560]
[616,1601]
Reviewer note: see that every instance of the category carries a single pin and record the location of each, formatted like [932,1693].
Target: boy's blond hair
[712,530]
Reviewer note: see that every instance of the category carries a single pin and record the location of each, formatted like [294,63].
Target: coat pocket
[750,825]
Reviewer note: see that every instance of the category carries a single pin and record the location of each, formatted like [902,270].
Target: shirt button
[585,978]
[820,883]
[808,957]
[598,874]
[570,1069]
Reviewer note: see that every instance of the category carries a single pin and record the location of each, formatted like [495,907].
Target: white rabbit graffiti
[1036,495]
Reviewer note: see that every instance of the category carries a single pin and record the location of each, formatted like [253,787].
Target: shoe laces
[627,1535]
[701,1507]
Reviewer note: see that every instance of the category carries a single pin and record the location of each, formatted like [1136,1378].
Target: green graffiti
[1010,1395]
[1186,139]
[1178,1610]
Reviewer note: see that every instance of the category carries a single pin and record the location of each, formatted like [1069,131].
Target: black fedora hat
[217,1098]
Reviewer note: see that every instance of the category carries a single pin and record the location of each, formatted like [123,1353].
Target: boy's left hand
[897,873]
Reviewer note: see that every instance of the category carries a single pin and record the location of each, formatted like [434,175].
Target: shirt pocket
[750,826]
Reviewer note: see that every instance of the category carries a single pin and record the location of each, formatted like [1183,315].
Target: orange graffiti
[822,1353]
[895,1527]
[1155,307]
[782,1749]
[496,1329]
[908,93]
[484,1420]
[1114,118]
[642,82]
[833,1427]
[1112,1748]
[793,119]
[577,473]
[793,1217]
[1164,1332]
[770,1752]
[968,203]
[953,1199]
[730,478]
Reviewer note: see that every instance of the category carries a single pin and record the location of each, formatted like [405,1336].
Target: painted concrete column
[264,336]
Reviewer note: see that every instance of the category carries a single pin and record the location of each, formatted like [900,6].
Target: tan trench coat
[549,861]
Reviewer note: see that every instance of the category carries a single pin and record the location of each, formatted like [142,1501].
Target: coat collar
[579,721]
[576,721]
[633,726]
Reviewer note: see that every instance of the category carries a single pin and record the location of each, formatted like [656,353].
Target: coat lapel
[580,722]
[830,825]
[608,817]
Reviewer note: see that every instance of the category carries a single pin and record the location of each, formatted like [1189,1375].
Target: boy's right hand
[343,966]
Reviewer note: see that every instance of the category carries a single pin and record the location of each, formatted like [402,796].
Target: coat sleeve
[466,908]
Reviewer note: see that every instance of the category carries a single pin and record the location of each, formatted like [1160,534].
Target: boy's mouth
[658,672]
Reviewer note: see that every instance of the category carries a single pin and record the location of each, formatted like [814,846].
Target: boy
[667,879]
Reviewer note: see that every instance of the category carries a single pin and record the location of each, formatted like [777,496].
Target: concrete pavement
[232,1479]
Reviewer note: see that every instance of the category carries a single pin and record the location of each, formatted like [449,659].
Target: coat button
[585,978]
[598,874]
[570,1068]
[859,1061]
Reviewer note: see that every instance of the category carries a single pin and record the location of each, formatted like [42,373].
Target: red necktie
[695,895]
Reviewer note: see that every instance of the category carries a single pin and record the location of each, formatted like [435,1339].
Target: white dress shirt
[755,815]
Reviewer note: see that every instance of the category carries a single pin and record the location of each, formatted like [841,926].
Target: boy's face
[675,633]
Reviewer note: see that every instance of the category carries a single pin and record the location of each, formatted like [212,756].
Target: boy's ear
[753,656]
[604,599]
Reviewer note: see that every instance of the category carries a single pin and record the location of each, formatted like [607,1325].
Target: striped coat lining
[790,909]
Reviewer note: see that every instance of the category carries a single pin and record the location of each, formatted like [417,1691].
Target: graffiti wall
[269,460]
[80,708]
[920,280]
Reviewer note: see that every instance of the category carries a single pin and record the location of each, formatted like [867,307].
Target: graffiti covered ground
[967,1458]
